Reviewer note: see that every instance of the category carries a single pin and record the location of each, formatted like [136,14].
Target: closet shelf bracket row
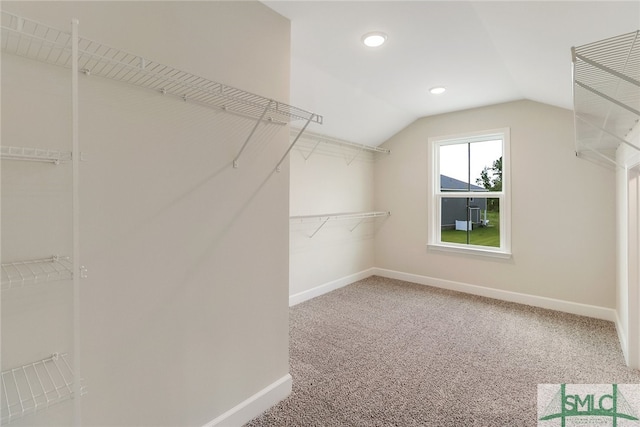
[34,154]
[36,271]
[317,139]
[324,218]
[606,96]
[36,386]
[32,39]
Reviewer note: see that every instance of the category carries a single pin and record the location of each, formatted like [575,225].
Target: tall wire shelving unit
[606,90]
[38,385]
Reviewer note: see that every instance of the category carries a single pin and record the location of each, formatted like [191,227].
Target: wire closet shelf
[606,91]
[35,386]
[32,39]
[36,271]
[324,218]
[34,154]
[315,139]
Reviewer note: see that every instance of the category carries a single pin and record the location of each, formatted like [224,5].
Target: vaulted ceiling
[483,52]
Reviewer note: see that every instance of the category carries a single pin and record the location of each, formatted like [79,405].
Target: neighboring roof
[451,184]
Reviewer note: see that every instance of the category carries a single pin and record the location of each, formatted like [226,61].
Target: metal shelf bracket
[295,140]
[255,127]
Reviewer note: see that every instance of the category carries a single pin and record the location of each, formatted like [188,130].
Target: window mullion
[484,208]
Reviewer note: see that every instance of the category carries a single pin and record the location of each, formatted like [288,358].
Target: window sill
[480,251]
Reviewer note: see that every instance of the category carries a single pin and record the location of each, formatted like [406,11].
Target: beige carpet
[383,352]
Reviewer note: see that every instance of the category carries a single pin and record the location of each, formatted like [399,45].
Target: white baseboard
[533,300]
[255,405]
[622,337]
[328,287]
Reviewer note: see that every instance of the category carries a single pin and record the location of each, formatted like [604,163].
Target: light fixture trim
[437,90]
[374,39]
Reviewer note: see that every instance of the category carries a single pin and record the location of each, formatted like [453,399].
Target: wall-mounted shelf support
[34,155]
[235,161]
[606,94]
[295,140]
[319,227]
[323,219]
[36,386]
[358,152]
[357,224]
[312,151]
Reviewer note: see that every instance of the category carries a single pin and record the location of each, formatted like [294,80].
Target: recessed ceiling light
[437,90]
[374,39]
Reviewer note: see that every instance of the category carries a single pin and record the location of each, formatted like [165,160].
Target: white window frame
[435,195]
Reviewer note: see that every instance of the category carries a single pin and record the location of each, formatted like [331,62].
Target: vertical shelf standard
[38,385]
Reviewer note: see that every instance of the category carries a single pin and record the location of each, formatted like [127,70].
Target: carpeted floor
[383,352]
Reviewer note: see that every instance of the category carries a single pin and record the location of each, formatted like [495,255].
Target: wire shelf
[313,140]
[324,218]
[342,142]
[34,154]
[36,386]
[338,216]
[41,42]
[31,272]
[606,95]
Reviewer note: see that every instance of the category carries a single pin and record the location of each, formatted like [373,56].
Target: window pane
[486,165]
[454,167]
[470,220]
[471,166]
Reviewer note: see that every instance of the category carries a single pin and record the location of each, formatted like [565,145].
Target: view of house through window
[469,198]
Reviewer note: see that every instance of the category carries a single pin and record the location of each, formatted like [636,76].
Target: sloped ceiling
[482,52]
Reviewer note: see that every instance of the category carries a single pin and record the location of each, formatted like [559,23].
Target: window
[469,193]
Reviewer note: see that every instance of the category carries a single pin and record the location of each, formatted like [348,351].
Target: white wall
[628,241]
[331,180]
[184,313]
[630,300]
[563,208]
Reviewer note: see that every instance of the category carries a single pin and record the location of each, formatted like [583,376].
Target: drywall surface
[563,209]
[184,313]
[629,296]
[622,254]
[329,180]
[628,238]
